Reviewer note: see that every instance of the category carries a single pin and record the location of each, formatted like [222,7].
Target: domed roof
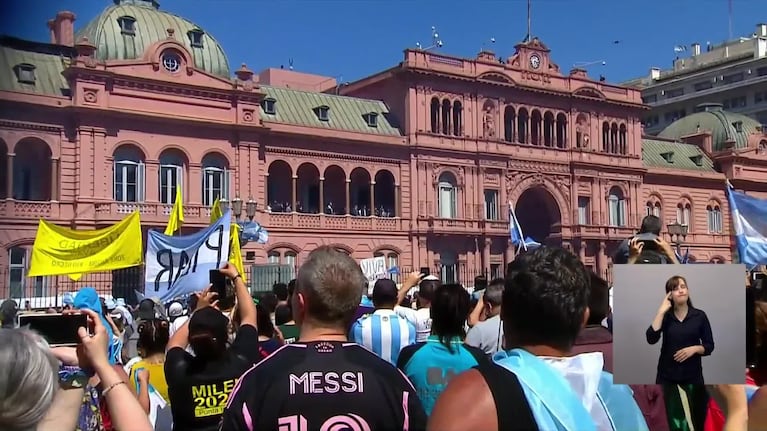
[116,40]
[724,126]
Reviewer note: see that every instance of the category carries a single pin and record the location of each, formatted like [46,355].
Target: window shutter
[204,187]
[114,180]
[622,211]
[180,182]
[227,181]
[140,185]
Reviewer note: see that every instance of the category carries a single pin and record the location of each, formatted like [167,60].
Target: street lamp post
[250,212]
[678,233]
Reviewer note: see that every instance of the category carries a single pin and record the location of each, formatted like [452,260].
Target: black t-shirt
[199,390]
[694,330]
[324,386]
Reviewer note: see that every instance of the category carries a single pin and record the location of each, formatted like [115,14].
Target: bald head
[331,285]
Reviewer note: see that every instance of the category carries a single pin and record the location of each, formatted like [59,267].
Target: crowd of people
[331,351]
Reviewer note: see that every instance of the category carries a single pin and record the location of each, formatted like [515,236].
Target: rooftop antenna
[290,64]
[585,64]
[436,42]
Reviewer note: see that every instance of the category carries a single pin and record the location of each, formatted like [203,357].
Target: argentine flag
[749,218]
[515,230]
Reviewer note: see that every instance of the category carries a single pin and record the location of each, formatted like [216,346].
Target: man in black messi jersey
[322,381]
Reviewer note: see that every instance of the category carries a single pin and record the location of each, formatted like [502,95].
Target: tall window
[448,267]
[129,172]
[289,258]
[171,176]
[683,211]
[583,209]
[273,257]
[491,205]
[616,204]
[447,196]
[20,285]
[653,209]
[215,179]
[714,214]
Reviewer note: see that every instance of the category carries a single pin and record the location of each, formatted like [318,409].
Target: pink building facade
[416,163]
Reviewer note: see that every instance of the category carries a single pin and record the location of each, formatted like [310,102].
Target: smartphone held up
[57,329]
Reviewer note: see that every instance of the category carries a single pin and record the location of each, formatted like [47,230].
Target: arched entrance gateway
[539,216]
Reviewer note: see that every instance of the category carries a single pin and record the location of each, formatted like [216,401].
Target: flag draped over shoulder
[62,251]
[176,218]
[749,218]
[235,253]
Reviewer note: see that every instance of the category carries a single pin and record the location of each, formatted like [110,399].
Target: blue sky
[354,38]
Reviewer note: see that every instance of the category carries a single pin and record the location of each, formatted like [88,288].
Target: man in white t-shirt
[421,317]
[177,316]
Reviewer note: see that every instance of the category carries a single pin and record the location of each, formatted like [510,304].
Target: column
[582,251]
[348,196]
[397,201]
[372,198]
[602,259]
[54,179]
[322,195]
[9,177]
[486,255]
[295,193]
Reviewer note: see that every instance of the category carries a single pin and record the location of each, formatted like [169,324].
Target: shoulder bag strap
[511,405]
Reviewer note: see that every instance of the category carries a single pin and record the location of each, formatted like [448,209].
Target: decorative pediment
[495,77]
[590,92]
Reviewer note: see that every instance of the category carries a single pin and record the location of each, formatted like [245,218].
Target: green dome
[115,40]
[724,126]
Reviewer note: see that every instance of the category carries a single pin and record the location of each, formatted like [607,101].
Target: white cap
[175,310]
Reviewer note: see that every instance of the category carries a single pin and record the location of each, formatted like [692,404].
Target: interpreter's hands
[665,305]
[635,247]
[229,270]
[413,278]
[206,298]
[142,374]
[92,350]
[682,355]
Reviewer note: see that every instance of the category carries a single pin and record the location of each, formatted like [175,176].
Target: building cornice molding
[23,125]
[325,156]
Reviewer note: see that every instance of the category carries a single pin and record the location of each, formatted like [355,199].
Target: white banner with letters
[374,268]
[179,265]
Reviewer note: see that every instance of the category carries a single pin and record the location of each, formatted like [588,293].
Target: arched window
[129,172]
[653,209]
[172,164]
[614,138]
[606,137]
[457,118]
[509,120]
[19,284]
[616,204]
[522,126]
[273,257]
[714,216]
[622,143]
[561,130]
[447,196]
[215,178]
[435,115]
[446,105]
[683,212]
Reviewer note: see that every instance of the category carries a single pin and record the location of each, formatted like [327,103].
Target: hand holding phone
[57,329]
[217,283]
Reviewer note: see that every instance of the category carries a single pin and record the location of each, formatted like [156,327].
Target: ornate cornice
[535,166]
[30,126]
[326,156]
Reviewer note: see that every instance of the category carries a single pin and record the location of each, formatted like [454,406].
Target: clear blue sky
[355,38]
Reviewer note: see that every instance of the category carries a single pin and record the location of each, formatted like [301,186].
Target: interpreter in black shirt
[322,381]
[199,386]
[686,335]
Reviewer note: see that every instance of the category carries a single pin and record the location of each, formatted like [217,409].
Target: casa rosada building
[416,163]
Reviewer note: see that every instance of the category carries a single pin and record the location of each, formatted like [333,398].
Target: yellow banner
[62,251]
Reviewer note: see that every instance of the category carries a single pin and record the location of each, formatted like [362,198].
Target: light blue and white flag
[749,218]
[179,265]
[515,230]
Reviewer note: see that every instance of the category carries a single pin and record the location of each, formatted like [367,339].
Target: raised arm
[654,331]
[246,309]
